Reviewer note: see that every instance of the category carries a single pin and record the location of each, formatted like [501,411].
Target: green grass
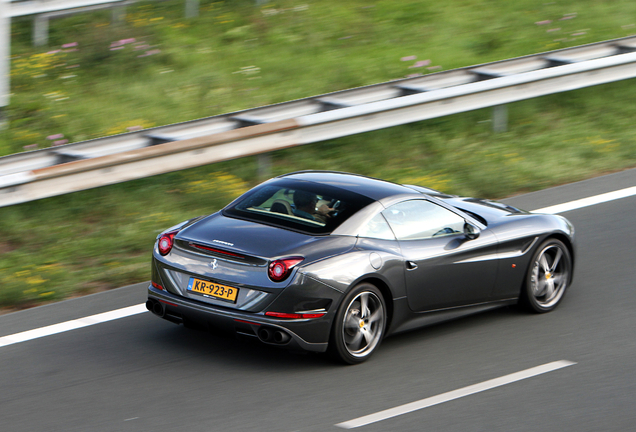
[236,56]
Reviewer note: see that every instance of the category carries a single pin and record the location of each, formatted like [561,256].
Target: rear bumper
[306,334]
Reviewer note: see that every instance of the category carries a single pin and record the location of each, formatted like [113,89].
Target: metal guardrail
[35,7]
[84,165]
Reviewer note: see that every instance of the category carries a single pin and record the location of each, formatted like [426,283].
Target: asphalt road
[141,373]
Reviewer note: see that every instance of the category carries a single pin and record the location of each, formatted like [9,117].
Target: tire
[359,325]
[548,277]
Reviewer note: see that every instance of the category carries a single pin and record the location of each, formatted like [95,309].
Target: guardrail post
[40,30]
[119,13]
[5,49]
[264,161]
[500,118]
[192,8]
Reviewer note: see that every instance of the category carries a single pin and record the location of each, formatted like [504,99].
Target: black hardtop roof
[375,189]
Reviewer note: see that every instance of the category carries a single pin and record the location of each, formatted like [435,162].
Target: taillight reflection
[296,315]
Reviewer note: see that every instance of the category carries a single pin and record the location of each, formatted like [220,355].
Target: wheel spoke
[368,336]
[557,258]
[355,340]
[549,288]
[375,316]
[364,300]
[543,261]
[540,288]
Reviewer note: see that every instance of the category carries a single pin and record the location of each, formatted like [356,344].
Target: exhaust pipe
[264,335]
[270,335]
[281,337]
[158,309]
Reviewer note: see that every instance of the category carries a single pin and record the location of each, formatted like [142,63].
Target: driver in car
[305,203]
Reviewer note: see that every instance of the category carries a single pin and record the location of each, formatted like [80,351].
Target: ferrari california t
[329,261]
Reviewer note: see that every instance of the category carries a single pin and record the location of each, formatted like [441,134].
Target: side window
[377,228]
[419,219]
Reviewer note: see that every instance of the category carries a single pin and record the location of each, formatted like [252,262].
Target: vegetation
[98,78]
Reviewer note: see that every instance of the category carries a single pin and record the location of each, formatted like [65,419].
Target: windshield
[298,205]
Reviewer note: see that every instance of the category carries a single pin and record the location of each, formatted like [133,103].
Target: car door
[443,267]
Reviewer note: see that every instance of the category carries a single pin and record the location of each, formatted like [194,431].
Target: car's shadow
[457,326]
[244,352]
[236,351]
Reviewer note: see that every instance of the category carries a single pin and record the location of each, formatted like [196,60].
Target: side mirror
[471,231]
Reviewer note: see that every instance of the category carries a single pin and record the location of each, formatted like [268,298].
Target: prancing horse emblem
[213,264]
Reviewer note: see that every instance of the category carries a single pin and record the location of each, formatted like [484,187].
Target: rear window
[303,206]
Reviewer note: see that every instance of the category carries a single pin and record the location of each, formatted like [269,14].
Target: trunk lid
[242,250]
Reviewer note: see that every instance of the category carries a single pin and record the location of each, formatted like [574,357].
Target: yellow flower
[433,181]
[220,183]
[36,280]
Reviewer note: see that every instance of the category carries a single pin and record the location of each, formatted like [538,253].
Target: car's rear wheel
[548,277]
[359,325]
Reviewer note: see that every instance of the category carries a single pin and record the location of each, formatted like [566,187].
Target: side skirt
[422,319]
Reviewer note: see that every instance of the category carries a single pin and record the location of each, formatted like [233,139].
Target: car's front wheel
[359,324]
[548,276]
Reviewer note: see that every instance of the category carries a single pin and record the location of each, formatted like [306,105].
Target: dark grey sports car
[334,261]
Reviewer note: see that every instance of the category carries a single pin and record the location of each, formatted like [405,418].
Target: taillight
[165,242]
[281,268]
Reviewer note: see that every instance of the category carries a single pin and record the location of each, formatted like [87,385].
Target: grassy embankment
[99,79]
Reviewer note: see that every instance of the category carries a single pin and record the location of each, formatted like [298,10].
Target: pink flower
[434,68]
[420,63]
[60,142]
[53,52]
[544,22]
[553,30]
[70,45]
[116,48]
[134,128]
[408,58]
[31,147]
[54,137]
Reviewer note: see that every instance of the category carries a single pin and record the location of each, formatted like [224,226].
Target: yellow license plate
[211,289]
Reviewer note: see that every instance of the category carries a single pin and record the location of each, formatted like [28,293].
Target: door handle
[410,265]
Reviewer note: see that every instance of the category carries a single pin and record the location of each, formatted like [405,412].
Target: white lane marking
[72,325]
[589,201]
[455,394]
